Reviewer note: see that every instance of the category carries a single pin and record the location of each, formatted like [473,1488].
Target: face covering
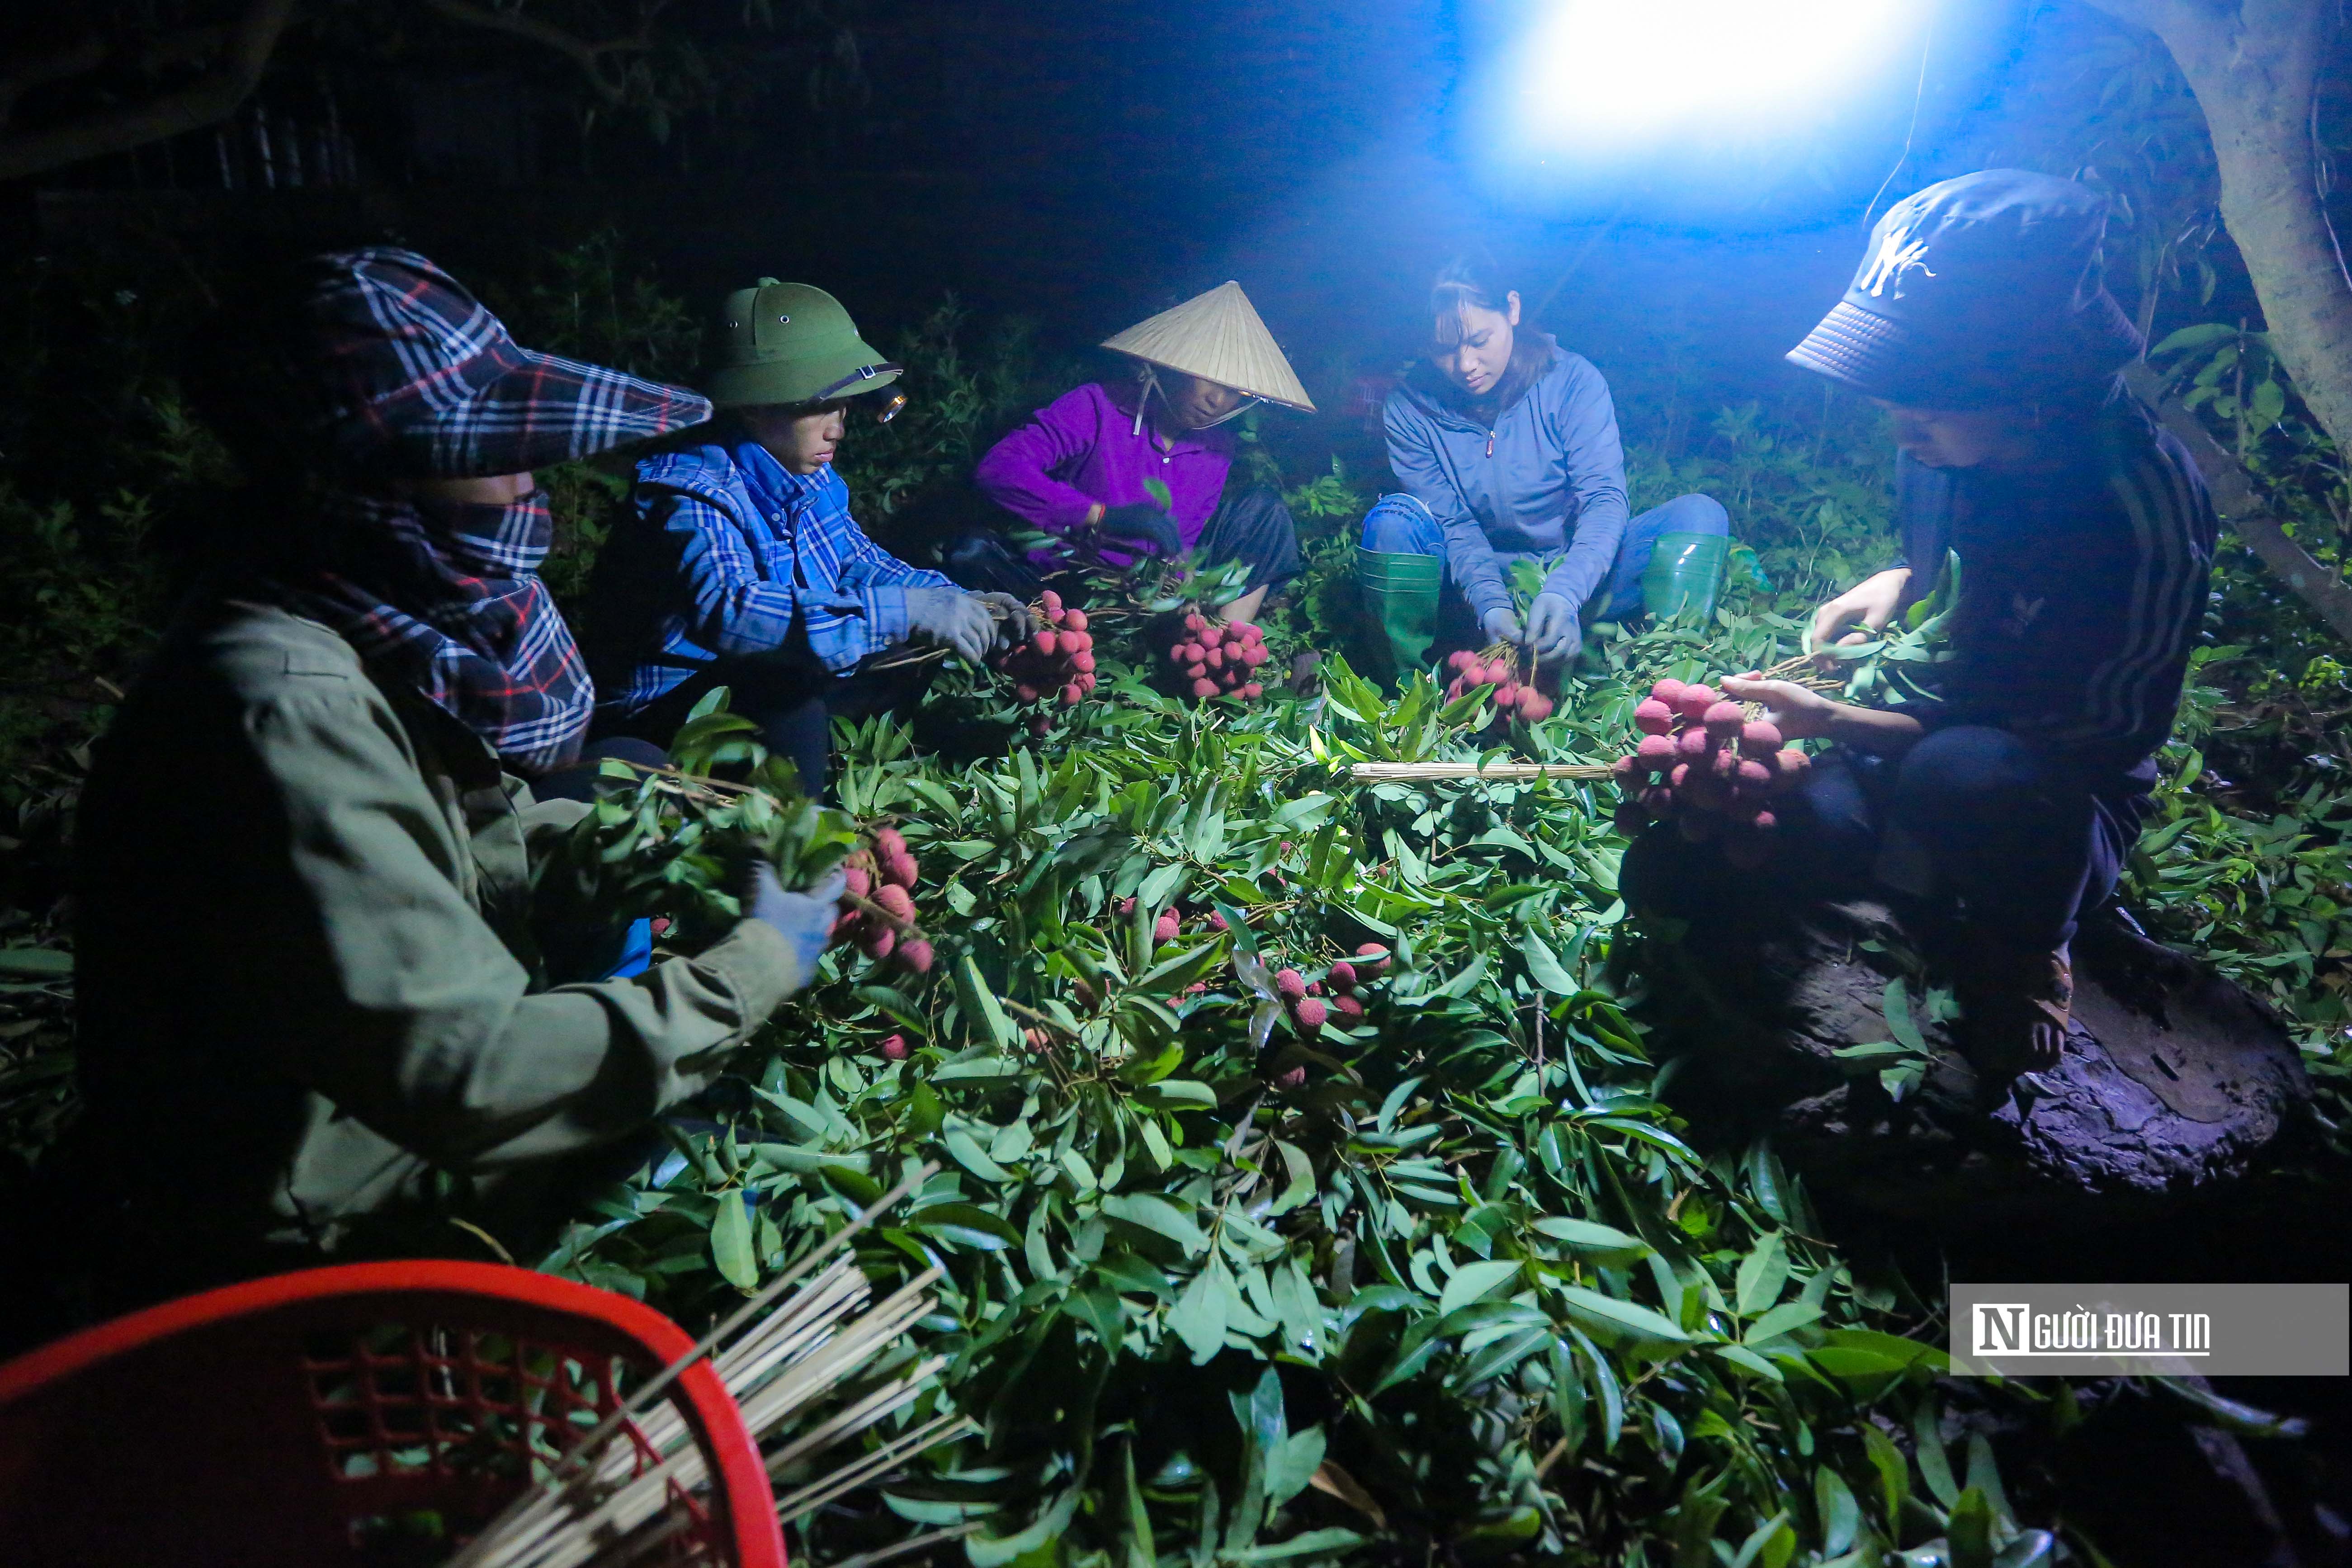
[445,597]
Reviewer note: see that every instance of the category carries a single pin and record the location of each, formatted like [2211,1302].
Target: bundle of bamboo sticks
[611,1500]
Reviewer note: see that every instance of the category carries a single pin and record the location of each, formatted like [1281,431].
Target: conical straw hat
[1217,337]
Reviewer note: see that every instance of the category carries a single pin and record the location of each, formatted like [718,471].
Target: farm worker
[1507,446]
[1980,317]
[314,1006]
[1139,468]
[744,567]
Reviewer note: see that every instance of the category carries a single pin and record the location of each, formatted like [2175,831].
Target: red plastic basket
[312,1418]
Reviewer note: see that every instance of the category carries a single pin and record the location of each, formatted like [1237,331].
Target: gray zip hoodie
[1549,477]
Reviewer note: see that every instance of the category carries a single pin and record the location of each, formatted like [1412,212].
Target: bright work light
[1626,70]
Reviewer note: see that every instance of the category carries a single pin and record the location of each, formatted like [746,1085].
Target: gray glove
[1552,630]
[1015,626]
[952,616]
[1500,625]
[804,920]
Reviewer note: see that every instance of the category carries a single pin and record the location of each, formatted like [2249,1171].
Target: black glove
[1144,525]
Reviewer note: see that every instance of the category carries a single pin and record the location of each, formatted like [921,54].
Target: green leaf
[966,1151]
[1783,1319]
[1970,1529]
[1200,1314]
[965,1225]
[1840,1517]
[982,1002]
[1625,1320]
[36,962]
[1894,1473]
[1762,1273]
[1331,1539]
[1156,1214]
[995,1552]
[1927,1452]
[1897,1007]
[1474,1281]
[1587,1235]
[1544,967]
[731,1241]
[1177,1094]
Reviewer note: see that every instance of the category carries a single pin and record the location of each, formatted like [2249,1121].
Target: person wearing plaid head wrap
[315,981]
[417,385]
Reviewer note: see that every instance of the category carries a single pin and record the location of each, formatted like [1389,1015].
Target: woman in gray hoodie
[1507,446]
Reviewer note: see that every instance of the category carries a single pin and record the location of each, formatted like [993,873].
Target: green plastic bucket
[1684,575]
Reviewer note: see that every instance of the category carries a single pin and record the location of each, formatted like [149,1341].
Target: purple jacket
[1080,449]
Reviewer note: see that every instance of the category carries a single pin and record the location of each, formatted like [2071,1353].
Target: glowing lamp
[1626,70]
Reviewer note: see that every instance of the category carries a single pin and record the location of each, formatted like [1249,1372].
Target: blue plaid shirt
[758,551]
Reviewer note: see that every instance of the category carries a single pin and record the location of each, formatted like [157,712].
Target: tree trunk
[2253,66]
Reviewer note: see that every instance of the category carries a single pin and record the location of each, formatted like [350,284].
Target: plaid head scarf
[416,378]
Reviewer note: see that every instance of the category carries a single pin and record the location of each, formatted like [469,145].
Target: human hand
[1861,612]
[1552,628]
[952,616]
[1143,526]
[1799,712]
[1501,625]
[804,920]
[1015,626]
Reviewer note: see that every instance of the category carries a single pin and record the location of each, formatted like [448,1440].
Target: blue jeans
[1401,525]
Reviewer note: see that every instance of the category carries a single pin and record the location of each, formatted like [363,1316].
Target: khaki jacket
[310,992]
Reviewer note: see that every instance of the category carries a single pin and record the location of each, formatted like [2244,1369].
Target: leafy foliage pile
[1236,1280]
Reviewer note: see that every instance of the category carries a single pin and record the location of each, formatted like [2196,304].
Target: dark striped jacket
[2081,590]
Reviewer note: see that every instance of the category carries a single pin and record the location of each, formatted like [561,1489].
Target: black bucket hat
[1979,290]
[417,378]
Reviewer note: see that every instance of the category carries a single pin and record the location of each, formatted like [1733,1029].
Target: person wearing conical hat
[745,568]
[1138,468]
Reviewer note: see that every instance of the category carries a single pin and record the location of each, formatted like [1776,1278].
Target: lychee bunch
[1498,667]
[1349,976]
[1213,658]
[1705,763]
[877,906]
[1056,664]
[1164,929]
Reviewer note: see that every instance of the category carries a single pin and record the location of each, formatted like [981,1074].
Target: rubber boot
[1400,592]
[1684,575]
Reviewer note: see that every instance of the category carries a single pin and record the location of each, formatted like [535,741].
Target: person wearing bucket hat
[2083,541]
[1507,446]
[1139,468]
[745,569]
[310,977]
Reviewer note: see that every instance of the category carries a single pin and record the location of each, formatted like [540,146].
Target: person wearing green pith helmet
[1507,446]
[745,569]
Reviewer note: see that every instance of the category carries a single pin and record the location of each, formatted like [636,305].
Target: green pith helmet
[789,343]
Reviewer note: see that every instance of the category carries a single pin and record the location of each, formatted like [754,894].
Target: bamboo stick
[1406,773]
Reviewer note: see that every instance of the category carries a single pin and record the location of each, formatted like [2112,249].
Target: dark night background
[1084,165]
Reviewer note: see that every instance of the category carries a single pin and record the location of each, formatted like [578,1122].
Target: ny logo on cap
[1897,254]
